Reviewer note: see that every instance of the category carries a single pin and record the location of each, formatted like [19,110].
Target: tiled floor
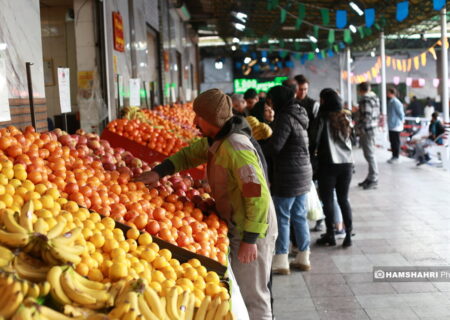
[405,222]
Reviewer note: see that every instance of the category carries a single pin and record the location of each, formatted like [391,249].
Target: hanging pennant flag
[367,31]
[378,79]
[331,36]
[303,58]
[438,4]
[408,81]
[402,10]
[394,63]
[264,53]
[298,23]
[301,11]
[422,82]
[283,13]
[244,48]
[282,43]
[330,53]
[347,36]
[408,68]
[404,65]
[423,59]
[271,4]
[436,82]
[369,15]
[341,18]
[361,32]
[416,62]
[283,54]
[336,48]
[297,56]
[325,13]
[388,61]
[319,55]
[433,52]
[296,46]
[399,65]
[311,56]
[342,45]
[439,43]
[316,32]
[396,80]
[374,72]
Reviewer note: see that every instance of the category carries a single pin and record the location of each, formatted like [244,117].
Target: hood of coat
[298,113]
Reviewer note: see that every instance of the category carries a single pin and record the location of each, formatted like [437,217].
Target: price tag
[64,90]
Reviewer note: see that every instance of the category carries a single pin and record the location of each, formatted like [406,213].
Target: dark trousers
[394,138]
[330,177]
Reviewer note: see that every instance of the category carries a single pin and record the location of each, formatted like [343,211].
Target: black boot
[327,240]
[348,239]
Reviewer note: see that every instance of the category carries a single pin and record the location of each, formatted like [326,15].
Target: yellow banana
[40,226]
[100,295]
[145,309]
[88,283]
[29,268]
[183,301]
[130,315]
[14,239]
[44,288]
[26,216]
[8,292]
[154,301]
[10,222]
[8,310]
[65,256]
[56,291]
[212,308]
[133,298]
[25,286]
[69,237]
[172,303]
[120,310]
[51,314]
[48,257]
[6,254]
[222,310]
[72,249]
[201,312]
[57,230]
[114,292]
[33,291]
[75,295]
[164,304]
[24,313]
[190,307]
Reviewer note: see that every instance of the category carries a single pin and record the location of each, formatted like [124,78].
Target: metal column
[383,75]
[349,78]
[444,65]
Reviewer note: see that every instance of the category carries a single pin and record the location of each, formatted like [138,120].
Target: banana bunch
[214,309]
[68,287]
[18,227]
[11,295]
[28,289]
[60,247]
[260,130]
[29,268]
[6,256]
[131,113]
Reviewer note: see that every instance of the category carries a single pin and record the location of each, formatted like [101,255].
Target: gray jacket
[340,149]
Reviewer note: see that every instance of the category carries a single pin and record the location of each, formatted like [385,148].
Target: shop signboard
[135,93]
[5,114]
[242,85]
[64,90]
[119,41]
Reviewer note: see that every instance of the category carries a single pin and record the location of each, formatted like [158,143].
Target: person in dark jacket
[292,174]
[333,149]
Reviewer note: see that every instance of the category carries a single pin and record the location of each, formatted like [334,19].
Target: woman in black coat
[292,175]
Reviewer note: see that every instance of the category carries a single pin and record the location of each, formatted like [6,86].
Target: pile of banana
[137,300]
[54,246]
[131,113]
[70,288]
[260,130]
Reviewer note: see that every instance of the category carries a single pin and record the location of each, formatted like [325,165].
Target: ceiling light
[239,26]
[233,48]
[235,40]
[3,46]
[240,16]
[355,7]
[317,50]
[312,38]
[352,28]
[218,64]
[263,59]
[247,60]
[372,54]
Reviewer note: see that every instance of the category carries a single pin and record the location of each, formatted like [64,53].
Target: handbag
[313,205]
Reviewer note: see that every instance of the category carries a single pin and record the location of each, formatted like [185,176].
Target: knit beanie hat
[214,106]
[331,101]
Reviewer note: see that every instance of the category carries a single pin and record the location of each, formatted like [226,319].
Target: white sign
[120,89]
[135,94]
[5,115]
[64,89]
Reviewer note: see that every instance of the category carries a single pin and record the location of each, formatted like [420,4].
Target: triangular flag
[369,15]
[341,18]
[404,65]
[297,46]
[336,48]
[374,72]
[301,11]
[325,13]
[361,32]
[423,59]
[347,36]
[283,15]
[297,56]
[402,10]
[331,36]
[271,4]
[416,62]
[439,43]
[298,23]
[367,31]
[399,65]
[311,56]
[316,32]
[433,52]
[438,4]
[388,61]
[408,68]
[330,53]
[394,63]
[282,43]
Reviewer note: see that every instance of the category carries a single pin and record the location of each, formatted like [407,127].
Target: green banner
[348,36]
[325,13]
[331,36]
[241,85]
[311,56]
[361,32]
[316,32]
[298,23]
[283,15]
[301,11]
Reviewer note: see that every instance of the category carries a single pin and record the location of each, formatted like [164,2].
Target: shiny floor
[405,222]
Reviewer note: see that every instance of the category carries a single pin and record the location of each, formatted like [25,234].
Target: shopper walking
[395,117]
[239,187]
[367,118]
[292,174]
[333,149]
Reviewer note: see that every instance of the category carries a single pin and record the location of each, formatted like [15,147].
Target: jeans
[291,208]
[335,176]
[367,141]
[337,209]
[394,138]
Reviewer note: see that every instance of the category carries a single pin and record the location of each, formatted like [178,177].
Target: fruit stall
[80,239]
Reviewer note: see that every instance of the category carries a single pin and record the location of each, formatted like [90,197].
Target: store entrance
[59,50]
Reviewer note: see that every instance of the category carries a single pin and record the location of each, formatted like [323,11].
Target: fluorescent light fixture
[233,48]
[355,7]
[218,65]
[247,60]
[239,26]
[312,38]
[235,40]
[352,28]
[263,59]
[240,16]
[3,46]
[317,50]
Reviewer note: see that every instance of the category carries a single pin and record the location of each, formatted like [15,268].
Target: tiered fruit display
[174,211]
[44,232]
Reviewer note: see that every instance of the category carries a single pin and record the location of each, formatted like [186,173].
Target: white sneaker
[393,160]
[301,261]
[280,264]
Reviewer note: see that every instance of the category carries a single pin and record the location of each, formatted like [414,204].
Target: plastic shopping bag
[313,205]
